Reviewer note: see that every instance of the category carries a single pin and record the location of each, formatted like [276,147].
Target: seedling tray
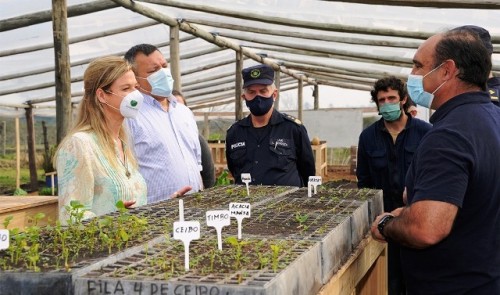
[161,269]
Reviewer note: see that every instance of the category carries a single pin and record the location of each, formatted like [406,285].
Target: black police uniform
[494,89]
[277,154]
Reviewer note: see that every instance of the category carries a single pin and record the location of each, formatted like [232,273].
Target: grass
[339,156]
[8,178]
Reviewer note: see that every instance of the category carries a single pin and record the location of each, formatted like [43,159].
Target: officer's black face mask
[260,105]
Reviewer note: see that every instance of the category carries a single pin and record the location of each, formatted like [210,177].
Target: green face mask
[390,111]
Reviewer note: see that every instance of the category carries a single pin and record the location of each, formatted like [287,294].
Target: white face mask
[129,107]
[161,82]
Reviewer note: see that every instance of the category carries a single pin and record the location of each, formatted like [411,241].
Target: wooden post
[206,126]
[238,87]
[4,136]
[62,68]
[277,82]
[174,60]
[45,140]
[354,159]
[300,99]
[18,154]
[31,148]
[316,97]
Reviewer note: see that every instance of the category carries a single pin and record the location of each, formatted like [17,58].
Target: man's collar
[152,101]
[275,119]
[461,99]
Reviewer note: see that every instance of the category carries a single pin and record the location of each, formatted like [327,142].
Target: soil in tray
[297,216]
[343,183]
[220,197]
[294,215]
[239,261]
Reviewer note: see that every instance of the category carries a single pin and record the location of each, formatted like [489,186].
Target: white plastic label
[181,210]
[239,211]
[186,231]
[314,181]
[246,178]
[218,219]
[4,239]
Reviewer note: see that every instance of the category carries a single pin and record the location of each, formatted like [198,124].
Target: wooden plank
[365,270]
[30,126]
[62,68]
[22,209]
[320,157]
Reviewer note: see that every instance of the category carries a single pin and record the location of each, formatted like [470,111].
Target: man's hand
[181,192]
[374,228]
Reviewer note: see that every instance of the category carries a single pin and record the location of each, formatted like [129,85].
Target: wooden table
[364,273]
[23,208]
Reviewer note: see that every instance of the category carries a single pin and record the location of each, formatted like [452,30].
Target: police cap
[259,74]
[483,34]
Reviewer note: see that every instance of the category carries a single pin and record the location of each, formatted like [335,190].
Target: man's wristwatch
[382,223]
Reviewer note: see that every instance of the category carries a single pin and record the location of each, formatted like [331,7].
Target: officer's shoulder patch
[293,119]
[493,94]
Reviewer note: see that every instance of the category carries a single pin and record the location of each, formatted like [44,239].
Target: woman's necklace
[124,162]
[127,172]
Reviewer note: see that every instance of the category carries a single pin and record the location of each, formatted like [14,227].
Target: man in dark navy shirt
[385,151]
[450,228]
[493,82]
[273,147]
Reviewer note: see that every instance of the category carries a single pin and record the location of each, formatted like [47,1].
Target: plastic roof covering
[199,72]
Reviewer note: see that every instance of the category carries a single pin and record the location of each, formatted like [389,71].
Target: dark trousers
[396,284]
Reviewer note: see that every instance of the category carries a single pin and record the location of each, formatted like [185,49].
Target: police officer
[493,82]
[273,147]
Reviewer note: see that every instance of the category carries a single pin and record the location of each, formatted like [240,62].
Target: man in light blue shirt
[164,134]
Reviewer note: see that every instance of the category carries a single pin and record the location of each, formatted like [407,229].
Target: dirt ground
[334,173]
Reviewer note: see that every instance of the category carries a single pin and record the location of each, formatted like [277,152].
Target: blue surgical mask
[415,86]
[390,111]
[161,82]
[260,105]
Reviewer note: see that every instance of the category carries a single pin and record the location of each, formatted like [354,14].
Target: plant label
[4,239]
[186,231]
[246,178]
[239,211]
[314,181]
[218,219]
[181,210]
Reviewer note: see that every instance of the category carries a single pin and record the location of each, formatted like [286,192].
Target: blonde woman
[94,164]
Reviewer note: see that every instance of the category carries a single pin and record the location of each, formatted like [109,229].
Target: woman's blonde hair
[101,73]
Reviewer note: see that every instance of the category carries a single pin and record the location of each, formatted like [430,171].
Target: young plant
[301,219]
[33,238]
[223,179]
[276,249]
[238,247]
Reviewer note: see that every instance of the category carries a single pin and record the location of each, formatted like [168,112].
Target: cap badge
[255,73]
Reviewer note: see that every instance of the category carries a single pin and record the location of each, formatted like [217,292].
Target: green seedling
[238,247]
[276,249]
[223,179]
[301,219]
